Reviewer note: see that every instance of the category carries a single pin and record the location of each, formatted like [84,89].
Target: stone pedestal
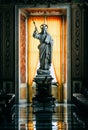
[43,95]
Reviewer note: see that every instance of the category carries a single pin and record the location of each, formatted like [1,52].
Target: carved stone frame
[68,65]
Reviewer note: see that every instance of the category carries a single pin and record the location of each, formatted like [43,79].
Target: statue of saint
[45,47]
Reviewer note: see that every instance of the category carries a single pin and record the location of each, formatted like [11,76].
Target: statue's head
[44,27]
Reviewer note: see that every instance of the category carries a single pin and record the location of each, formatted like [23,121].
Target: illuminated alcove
[26,52]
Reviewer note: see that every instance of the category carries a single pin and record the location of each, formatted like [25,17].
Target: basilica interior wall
[79,46]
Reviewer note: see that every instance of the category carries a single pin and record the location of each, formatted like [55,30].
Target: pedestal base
[43,95]
[46,99]
[43,104]
[43,88]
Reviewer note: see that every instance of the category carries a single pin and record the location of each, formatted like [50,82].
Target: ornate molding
[45,12]
[76,43]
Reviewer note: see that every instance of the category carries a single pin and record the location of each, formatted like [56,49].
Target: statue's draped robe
[45,49]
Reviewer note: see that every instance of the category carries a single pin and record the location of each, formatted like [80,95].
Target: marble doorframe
[67,86]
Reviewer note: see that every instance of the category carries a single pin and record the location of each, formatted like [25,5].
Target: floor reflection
[63,118]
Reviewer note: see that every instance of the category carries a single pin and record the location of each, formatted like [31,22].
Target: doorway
[26,61]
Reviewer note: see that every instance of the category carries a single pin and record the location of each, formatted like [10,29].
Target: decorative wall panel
[8,46]
[85,32]
[1,36]
[76,43]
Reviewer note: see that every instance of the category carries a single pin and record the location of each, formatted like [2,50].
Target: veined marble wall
[22,49]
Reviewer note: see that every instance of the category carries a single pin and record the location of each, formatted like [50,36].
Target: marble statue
[45,48]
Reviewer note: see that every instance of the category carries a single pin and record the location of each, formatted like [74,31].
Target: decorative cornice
[45,12]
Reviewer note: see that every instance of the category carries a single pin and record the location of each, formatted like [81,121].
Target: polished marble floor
[40,117]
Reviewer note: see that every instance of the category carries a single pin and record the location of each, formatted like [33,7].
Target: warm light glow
[55,30]
[62,125]
[30,125]
[55,27]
